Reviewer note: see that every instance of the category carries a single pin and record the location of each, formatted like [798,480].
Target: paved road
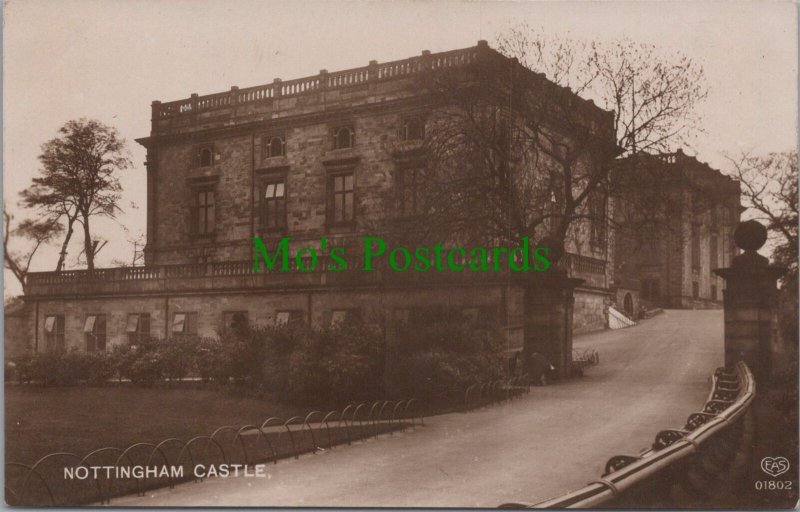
[553,440]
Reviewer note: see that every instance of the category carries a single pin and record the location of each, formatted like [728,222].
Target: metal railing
[45,482]
[495,391]
[582,359]
[732,392]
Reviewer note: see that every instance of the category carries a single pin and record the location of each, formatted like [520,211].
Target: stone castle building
[672,260]
[303,158]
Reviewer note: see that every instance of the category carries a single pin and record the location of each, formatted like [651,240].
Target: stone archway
[627,304]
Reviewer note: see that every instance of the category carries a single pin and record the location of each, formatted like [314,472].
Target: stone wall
[376,306]
[589,313]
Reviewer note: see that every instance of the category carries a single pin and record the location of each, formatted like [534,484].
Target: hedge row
[295,362]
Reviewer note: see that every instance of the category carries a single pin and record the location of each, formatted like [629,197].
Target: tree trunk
[63,254]
[88,247]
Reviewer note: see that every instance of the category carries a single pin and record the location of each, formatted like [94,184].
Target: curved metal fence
[65,478]
[582,359]
[716,431]
[479,395]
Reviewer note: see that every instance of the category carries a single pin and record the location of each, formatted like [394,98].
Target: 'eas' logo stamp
[774,466]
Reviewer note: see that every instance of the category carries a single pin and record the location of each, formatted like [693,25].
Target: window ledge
[203,239]
[203,175]
[337,157]
[274,163]
[340,226]
[408,147]
[272,232]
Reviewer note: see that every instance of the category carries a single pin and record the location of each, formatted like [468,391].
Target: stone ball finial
[750,235]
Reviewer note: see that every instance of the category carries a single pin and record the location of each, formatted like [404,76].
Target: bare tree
[78,179]
[769,191]
[138,242]
[506,154]
[35,233]
[653,93]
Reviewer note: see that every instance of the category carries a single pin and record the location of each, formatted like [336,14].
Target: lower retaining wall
[589,313]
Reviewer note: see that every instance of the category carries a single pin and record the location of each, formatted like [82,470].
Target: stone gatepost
[548,309]
[751,302]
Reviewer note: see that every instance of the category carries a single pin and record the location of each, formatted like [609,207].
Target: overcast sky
[109,59]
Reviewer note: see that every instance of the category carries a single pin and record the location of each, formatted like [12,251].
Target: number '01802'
[773,485]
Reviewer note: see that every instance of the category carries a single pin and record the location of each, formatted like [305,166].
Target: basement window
[94,332]
[184,323]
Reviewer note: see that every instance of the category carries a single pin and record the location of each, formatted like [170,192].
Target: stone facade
[673,265]
[212,162]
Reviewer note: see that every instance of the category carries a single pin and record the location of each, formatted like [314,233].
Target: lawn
[81,419]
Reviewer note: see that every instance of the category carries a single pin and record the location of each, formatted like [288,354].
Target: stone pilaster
[750,298]
[549,299]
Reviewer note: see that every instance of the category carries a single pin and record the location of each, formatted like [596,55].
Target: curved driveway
[549,442]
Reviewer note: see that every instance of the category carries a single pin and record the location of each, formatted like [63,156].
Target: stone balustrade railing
[584,264]
[575,262]
[324,80]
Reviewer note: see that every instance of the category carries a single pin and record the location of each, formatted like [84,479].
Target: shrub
[279,344]
[58,368]
[336,364]
[213,361]
[444,357]
[101,368]
[178,356]
[146,369]
[22,370]
[44,368]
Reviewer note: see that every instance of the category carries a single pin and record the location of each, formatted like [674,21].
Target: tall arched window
[206,156]
[274,146]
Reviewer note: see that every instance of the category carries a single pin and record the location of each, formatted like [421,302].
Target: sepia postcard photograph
[417,254]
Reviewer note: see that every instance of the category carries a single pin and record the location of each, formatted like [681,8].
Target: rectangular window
[341,198]
[184,323]
[138,328]
[597,218]
[341,316]
[288,317]
[273,205]
[204,207]
[54,332]
[714,257]
[94,332]
[233,319]
[695,290]
[409,184]
[695,245]
[713,292]
[413,129]
[478,316]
